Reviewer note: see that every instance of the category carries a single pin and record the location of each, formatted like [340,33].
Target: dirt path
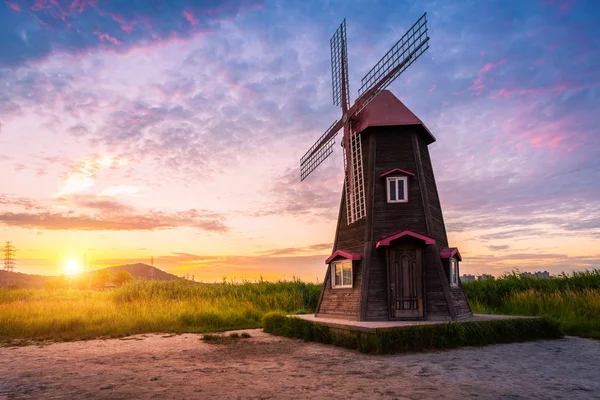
[268,367]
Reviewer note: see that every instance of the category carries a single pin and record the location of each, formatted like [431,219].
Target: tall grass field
[182,306]
[146,306]
[573,300]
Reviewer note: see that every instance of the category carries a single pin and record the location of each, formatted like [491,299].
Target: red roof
[345,254]
[397,171]
[386,241]
[387,110]
[450,252]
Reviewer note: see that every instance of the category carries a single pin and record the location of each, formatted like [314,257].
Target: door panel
[405,278]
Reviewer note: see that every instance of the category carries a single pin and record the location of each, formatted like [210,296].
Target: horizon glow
[174,130]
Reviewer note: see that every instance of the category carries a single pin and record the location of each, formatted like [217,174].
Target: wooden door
[405,282]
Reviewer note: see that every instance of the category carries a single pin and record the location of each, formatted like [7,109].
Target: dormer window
[341,274]
[397,189]
[340,264]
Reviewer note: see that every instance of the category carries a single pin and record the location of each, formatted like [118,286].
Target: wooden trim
[348,255]
[332,274]
[368,252]
[396,171]
[404,186]
[444,281]
[387,240]
[327,278]
[364,289]
[422,183]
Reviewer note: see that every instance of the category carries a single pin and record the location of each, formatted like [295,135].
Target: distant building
[537,274]
[467,278]
[484,277]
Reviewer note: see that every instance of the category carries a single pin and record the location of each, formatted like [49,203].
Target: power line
[9,260]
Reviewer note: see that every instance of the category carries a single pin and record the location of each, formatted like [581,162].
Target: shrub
[417,337]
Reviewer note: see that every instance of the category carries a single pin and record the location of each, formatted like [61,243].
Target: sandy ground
[268,367]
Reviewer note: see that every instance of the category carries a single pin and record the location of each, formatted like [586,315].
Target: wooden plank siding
[385,148]
[438,228]
[346,302]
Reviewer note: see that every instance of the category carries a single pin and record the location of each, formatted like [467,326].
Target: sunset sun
[72,267]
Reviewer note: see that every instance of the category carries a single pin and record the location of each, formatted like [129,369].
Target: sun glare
[72,267]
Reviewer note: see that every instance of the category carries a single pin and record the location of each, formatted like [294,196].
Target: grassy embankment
[572,300]
[143,307]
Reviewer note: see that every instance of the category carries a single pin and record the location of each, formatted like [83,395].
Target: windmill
[392,64]
[390,258]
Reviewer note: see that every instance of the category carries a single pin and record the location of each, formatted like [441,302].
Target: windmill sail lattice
[406,50]
[410,46]
[339,65]
[355,191]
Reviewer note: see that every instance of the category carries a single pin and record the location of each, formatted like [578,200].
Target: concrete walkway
[379,326]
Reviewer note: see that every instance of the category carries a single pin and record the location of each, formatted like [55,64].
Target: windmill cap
[387,110]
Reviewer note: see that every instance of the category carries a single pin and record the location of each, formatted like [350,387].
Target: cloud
[33,30]
[114,222]
[100,203]
[498,248]
[316,248]
[82,175]
[23,202]
[120,190]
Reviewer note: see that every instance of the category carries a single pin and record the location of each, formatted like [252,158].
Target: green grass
[146,306]
[418,337]
[221,339]
[571,300]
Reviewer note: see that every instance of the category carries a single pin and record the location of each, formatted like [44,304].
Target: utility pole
[9,261]
[152,269]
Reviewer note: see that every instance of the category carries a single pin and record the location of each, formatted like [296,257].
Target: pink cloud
[125,26]
[489,66]
[432,88]
[13,6]
[479,83]
[566,6]
[80,5]
[106,36]
[190,17]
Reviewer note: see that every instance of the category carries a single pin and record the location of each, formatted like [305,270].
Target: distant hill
[139,270]
[23,280]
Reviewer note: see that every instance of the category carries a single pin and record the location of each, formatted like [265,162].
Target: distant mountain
[139,270]
[23,280]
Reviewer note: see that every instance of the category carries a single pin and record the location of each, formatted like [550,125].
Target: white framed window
[397,189]
[341,274]
[453,272]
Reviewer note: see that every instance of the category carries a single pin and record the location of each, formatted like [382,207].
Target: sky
[173,130]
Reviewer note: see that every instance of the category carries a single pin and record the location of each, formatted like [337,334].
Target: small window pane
[338,274]
[401,189]
[347,273]
[392,190]
[453,272]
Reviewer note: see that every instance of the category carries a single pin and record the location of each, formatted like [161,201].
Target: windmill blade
[410,47]
[319,151]
[339,66]
[354,187]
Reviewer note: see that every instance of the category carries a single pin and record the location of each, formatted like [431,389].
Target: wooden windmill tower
[390,258]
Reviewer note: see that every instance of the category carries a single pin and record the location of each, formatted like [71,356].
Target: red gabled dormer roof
[387,110]
[396,171]
[386,241]
[344,254]
[450,252]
